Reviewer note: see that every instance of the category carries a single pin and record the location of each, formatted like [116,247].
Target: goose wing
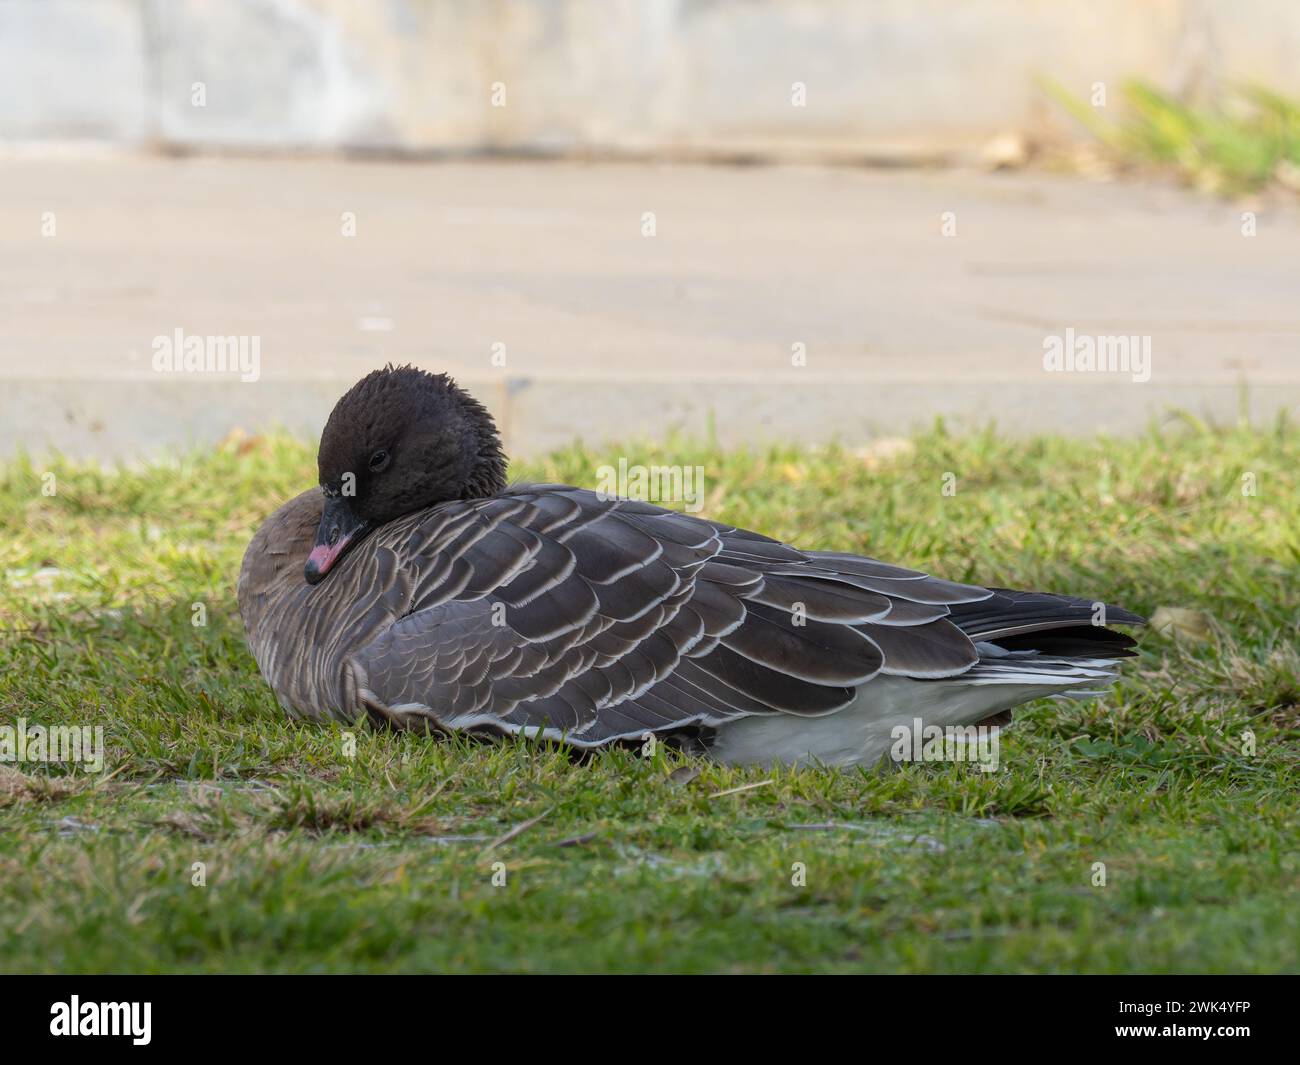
[551,610]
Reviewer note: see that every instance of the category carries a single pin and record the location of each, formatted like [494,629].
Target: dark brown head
[400,440]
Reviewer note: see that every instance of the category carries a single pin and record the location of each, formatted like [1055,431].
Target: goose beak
[340,528]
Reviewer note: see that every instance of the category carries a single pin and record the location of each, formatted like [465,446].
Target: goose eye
[379,460]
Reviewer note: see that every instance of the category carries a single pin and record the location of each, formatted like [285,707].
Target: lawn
[221,837]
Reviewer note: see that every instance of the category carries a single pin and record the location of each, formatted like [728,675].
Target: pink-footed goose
[415,587]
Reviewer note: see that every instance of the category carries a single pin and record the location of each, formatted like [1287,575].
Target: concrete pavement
[622,300]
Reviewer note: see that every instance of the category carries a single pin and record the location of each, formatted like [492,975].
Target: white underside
[863,731]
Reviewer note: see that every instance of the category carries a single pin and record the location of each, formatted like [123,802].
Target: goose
[414,587]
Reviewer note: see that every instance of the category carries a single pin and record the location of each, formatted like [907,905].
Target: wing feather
[555,611]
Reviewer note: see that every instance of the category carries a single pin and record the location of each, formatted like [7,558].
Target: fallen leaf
[1179,621]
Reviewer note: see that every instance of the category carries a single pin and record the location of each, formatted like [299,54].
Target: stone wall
[715,77]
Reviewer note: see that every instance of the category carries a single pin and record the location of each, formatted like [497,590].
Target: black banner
[335,1014]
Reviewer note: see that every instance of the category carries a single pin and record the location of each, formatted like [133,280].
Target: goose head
[399,440]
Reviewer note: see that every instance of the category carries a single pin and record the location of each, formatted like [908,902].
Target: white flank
[862,732]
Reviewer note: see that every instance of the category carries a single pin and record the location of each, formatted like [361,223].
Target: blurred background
[757,219]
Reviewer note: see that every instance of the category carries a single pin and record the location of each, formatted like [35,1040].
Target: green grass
[384,861]
[1247,141]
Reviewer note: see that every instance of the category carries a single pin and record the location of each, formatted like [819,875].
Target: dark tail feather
[1047,623]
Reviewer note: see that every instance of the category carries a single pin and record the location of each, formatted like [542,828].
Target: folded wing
[550,610]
